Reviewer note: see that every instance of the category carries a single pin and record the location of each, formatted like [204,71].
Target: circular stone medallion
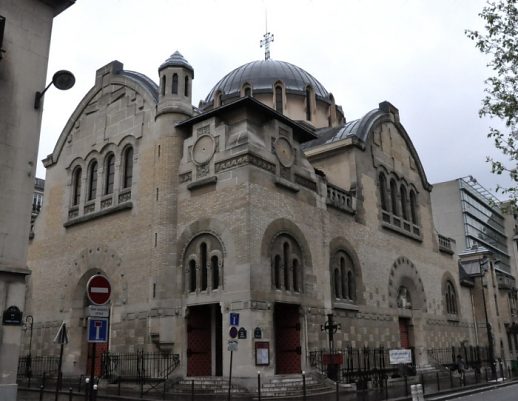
[284,152]
[203,149]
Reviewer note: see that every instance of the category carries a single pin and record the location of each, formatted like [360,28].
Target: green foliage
[499,41]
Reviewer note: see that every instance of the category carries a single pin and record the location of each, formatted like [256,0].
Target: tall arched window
[204,270]
[287,264]
[76,186]
[383,192]
[127,178]
[174,86]
[277,272]
[295,275]
[109,174]
[92,180]
[308,103]
[413,207]
[186,87]
[344,277]
[451,299]
[393,197]
[162,86]
[214,264]
[278,99]
[404,202]
[192,276]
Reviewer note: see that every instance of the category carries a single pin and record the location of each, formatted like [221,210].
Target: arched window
[109,174]
[128,168]
[413,207]
[76,186]
[192,276]
[287,266]
[174,86]
[277,272]
[278,99]
[215,272]
[295,274]
[308,103]
[162,86]
[404,201]
[246,90]
[204,271]
[343,278]
[343,274]
[337,279]
[393,197]
[92,180]
[186,87]
[383,192]
[451,299]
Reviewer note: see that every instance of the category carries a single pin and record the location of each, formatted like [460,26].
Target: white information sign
[98,311]
[399,356]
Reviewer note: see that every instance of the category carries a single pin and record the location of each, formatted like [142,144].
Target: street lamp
[29,322]
[491,356]
[331,327]
[62,79]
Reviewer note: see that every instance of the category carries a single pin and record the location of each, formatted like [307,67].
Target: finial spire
[268,38]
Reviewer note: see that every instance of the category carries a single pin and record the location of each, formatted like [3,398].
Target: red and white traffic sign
[98,289]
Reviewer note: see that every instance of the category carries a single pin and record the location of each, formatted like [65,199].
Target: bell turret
[175,93]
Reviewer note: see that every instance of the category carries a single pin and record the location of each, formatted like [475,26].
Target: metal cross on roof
[268,38]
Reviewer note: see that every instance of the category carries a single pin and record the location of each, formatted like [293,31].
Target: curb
[478,389]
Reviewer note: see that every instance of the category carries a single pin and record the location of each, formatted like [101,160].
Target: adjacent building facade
[484,237]
[25,28]
[264,203]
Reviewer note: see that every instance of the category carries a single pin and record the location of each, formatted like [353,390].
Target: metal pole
[92,370]
[304,385]
[258,386]
[41,392]
[60,363]
[30,321]
[230,375]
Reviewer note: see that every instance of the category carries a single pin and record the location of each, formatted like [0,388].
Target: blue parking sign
[234,319]
[97,330]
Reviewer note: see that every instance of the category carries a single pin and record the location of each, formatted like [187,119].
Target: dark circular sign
[232,332]
[98,289]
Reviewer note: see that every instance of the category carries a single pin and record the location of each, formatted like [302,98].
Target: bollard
[70,394]
[41,392]
[451,378]
[438,381]
[337,391]
[258,386]
[413,392]
[422,382]
[87,388]
[119,386]
[420,392]
[406,386]
[304,385]
[485,370]
[192,390]
[79,384]
[94,392]
[386,388]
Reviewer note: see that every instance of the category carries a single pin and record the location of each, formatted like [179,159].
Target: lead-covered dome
[263,75]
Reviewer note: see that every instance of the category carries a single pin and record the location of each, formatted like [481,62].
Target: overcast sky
[413,53]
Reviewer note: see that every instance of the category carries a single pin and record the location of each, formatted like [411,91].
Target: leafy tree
[499,41]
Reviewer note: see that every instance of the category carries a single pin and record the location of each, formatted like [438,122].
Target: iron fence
[37,366]
[474,356]
[138,365]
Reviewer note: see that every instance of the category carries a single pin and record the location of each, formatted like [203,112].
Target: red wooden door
[287,339]
[100,348]
[199,353]
[404,333]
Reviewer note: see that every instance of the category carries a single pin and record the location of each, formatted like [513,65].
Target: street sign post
[98,289]
[62,339]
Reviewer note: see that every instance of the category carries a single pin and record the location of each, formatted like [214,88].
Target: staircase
[287,386]
[207,385]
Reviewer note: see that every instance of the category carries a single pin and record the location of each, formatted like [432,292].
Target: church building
[263,209]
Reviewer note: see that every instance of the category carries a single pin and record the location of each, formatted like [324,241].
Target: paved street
[507,393]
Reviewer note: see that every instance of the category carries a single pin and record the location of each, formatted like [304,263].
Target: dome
[263,74]
[176,60]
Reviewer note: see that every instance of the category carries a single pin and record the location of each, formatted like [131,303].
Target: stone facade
[238,208]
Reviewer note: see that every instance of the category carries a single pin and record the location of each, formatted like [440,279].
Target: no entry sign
[98,290]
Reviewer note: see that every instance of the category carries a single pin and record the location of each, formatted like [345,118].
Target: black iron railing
[37,366]
[138,365]
[474,356]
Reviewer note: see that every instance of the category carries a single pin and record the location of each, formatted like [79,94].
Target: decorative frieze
[186,177]
[125,196]
[243,160]
[73,212]
[106,202]
[89,208]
